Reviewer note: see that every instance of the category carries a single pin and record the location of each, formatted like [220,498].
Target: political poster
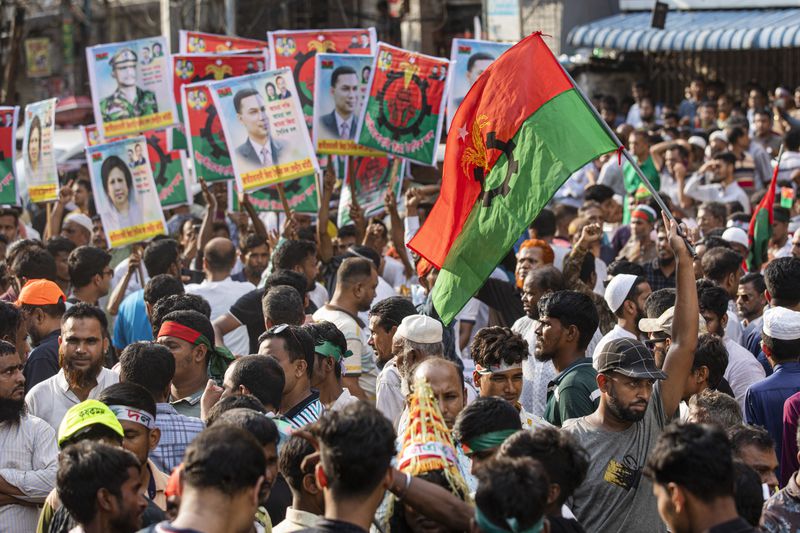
[468,59]
[92,137]
[9,194]
[124,191]
[41,174]
[301,194]
[372,177]
[263,129]
[169,170]
[339,91]
[197,42]
[131,86]
[205,138]
[404,110]
[37,57]
[194,68]
[296,49]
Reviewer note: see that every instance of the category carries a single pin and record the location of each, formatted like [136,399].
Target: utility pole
[230,17]
[15,40]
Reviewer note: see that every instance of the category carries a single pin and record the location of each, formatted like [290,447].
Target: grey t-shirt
[615,495]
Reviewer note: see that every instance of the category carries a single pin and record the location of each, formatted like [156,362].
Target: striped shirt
[177,431]
[306,412]
[28,461]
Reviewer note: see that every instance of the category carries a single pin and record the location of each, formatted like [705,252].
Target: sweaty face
[531,294]
[345,94]
[627,398]
[549,337]
[527,259]
[130,504]
[81,349]
[507,385]
[448,389]
[380,339]
[253,115]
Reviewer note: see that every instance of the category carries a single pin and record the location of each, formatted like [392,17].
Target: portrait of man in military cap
[127,100]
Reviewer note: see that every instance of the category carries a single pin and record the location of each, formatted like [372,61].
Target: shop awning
[745,29]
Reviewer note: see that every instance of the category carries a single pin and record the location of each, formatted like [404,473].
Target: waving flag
[760,230]
[520,132]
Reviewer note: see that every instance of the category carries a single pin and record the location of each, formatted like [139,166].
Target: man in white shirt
[28,444]
[723,187]
[625,296]
[81,347]
[743,368]
[356,281]
[536,375]
[220,291]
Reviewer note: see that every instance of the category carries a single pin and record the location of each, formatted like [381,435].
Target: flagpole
[624,151]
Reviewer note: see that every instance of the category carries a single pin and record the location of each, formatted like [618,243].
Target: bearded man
[28,461]
[81,349]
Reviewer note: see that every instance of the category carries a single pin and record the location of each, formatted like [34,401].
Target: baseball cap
[618,288]
[40,292]
[80,219]
[85,414]
[664,323]
[420,328]
[630,358]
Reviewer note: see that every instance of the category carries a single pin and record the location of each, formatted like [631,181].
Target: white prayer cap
[618,288]
[81,220]
[718,135]
[781,323]
[420,328]
[696,140]
[737,235]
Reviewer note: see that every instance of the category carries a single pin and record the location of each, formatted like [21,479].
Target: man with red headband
[190,337]
[640,248]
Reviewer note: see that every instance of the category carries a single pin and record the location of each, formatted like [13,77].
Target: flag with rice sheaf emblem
[520,132]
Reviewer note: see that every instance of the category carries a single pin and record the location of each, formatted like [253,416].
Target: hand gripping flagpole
[627,155]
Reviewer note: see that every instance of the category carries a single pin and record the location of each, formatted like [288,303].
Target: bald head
[445,380]
[220,255]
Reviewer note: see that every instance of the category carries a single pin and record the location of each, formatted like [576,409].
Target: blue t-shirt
[132,323]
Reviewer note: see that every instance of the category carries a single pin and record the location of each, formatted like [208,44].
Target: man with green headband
[483,426]
[330,349]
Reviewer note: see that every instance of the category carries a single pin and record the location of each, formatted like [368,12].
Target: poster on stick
[41,174]
[9,193]
[404,110]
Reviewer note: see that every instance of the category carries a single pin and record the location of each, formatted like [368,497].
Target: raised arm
[207,227]
[258,225]
[397,233]
[56,217]
[680,356]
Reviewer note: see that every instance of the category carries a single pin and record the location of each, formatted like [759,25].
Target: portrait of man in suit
[476,64]
[283,92]
[341,122]
[258,150]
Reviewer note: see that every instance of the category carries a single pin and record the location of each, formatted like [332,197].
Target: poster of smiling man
[266,136]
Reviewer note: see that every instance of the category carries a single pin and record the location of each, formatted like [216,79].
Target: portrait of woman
[272,93]
[35,150]
[122,208]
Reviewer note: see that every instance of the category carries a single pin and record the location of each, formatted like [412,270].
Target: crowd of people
[621,370]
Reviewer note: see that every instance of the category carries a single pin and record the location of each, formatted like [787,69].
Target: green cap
[85,414]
